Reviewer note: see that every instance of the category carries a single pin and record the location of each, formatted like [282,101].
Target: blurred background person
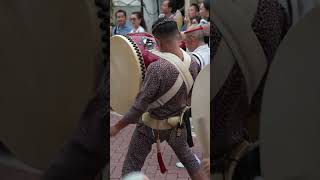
[205,11]
[205,15]
[194,40]
[192,14]
[169,10]
[138,23]
[196,20]
[121,26]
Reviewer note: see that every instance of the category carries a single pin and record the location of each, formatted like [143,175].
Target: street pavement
[119,147]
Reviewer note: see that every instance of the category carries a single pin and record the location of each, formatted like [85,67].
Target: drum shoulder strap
[241,40]
[184,76]
[199,58]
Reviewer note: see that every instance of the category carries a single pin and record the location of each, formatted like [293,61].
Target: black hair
[206,4]
[195,6]
[165,28]
[172,5]
[121,11]
[140,16]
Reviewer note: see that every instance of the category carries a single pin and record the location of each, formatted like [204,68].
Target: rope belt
[160,124]
[163,124]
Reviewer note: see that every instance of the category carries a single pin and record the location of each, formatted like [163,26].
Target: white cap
[136,176]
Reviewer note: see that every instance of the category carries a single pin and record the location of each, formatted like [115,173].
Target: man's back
[168,74]
[160,77]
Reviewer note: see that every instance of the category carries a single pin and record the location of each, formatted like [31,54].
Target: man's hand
[114,130]
[187,20]
[114,116]
[120,123]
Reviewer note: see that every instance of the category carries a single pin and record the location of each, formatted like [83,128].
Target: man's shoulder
[203,49]
[126,28]
[141,29]
[161,68]
[205,46]
[159,64]
[194,57]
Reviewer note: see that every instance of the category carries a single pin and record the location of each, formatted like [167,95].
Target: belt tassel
[163,168]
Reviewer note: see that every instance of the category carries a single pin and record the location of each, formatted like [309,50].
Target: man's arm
[147,95]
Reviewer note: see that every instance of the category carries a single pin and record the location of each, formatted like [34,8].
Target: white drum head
[125,74]
[48,54]
[290,118]
[200,107]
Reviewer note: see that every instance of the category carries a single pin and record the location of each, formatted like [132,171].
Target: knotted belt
[163,124]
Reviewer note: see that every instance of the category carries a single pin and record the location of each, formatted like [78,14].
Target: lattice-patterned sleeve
[148,94]
[194,67]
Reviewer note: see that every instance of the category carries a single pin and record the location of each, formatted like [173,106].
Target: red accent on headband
[195,29]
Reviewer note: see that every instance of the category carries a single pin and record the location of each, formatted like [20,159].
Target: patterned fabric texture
[160,77]
[230,107]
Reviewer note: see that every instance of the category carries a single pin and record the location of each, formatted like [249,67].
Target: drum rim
[137,61]
[135,49]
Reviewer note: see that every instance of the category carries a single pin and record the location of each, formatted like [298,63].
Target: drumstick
[115,115]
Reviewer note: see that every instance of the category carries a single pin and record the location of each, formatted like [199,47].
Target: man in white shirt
[194,39]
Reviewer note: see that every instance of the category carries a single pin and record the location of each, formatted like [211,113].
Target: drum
[129,59]
[49,66]
[200,107]
[290,107]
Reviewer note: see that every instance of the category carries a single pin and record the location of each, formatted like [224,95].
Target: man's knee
[136,155]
